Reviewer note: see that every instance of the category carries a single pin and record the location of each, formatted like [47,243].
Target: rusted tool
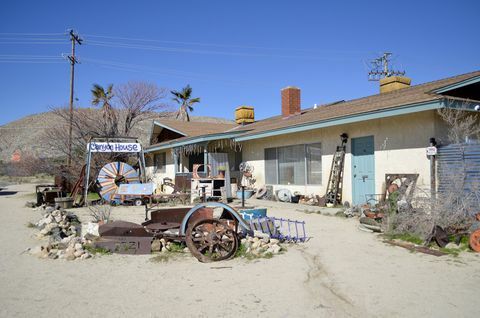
[474,240]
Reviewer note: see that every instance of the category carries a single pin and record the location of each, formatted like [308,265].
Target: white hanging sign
[114,147]
[431,151]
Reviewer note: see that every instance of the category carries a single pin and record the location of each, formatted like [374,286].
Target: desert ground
[340,272]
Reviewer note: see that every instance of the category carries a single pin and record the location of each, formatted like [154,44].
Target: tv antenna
[380,68]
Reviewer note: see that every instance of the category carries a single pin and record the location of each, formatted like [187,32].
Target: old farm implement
[210,230]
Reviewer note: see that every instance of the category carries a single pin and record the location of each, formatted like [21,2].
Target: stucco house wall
[400,143]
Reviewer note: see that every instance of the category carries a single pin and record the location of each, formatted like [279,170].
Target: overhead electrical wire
[219,45]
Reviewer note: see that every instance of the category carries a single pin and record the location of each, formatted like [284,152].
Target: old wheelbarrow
[209,238]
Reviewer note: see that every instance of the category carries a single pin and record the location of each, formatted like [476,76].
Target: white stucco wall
[400,143]
[157,177]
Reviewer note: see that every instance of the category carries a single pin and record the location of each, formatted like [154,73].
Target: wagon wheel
[211,240]
[475,240]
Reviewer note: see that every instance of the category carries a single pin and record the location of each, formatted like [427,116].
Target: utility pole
[74,38]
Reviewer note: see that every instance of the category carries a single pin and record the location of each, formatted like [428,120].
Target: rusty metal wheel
[211,240]
[475,240]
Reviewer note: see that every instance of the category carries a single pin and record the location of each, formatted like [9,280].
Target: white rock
[275,249]
[452,245]
[36,250]
[256,245]
[85,256]
[78,253]
[78,246]
[274,241]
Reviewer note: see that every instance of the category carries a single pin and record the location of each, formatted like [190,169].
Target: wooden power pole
[74,38]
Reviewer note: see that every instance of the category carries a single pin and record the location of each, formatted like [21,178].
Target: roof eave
[469,81]
[193,140]
[169,128]
[395,111]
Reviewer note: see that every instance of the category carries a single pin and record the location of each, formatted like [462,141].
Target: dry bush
[462,122]
[453,209]
[132,103]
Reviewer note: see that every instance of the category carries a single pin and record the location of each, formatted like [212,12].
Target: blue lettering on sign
[114,147]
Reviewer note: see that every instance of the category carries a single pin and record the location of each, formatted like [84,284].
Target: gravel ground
[340,272]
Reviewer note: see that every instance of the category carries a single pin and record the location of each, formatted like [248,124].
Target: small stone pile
[62,229]
[261,245]
[162,245]
[57,224]
[69,248]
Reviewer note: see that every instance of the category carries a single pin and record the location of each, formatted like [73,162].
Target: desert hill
[28,134]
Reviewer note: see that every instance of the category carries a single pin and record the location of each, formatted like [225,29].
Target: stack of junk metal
[211,231]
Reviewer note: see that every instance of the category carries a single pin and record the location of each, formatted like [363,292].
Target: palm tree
[102,96]
[186,103]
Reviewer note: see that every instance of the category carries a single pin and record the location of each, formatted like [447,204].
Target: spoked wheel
[211,240]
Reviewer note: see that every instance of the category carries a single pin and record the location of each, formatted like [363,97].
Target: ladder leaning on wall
[335,181]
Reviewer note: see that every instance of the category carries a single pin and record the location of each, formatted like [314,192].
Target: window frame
[158,169]
[305,165]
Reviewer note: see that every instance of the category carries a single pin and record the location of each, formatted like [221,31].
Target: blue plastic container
[248,194]
[249,214]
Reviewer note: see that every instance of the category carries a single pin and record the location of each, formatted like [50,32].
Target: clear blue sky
[230,52]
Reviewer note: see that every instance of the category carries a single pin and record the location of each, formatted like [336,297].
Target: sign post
[431,153]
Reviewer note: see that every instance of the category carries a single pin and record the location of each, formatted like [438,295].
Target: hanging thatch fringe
[211,146]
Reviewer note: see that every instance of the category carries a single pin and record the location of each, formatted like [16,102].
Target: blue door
[363,169]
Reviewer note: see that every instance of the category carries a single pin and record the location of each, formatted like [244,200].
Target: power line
[217,44]
[31,34]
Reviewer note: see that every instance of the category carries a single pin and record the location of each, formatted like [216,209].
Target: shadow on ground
[8,192]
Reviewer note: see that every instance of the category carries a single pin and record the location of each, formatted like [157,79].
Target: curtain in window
[271,166]
[314,163]
[291,165]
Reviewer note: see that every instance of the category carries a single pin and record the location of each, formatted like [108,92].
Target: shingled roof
[196,128]
[405,96]
[417,94]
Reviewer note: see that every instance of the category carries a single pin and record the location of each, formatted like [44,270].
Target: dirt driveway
[340,272]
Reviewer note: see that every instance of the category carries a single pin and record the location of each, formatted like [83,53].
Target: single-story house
[388,133]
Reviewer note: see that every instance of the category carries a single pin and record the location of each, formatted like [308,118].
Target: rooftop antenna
[380,68]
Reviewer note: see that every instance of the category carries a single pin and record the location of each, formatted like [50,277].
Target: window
[314,163]
[298,165]
[159,160]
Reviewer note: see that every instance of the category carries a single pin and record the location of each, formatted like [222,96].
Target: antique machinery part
[227,209]
[261,192]
[284,195]
[112,175]
[211,240]
[195,170]
[475,240]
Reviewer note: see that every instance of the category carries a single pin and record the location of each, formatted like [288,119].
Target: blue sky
[231,52]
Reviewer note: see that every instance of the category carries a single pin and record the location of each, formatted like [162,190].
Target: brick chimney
[290,101]
[392,83]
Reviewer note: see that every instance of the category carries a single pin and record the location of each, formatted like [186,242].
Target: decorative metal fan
[245,167]
[112,175]
[284,195]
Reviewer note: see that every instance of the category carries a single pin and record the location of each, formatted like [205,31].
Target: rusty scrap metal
[474,240]
[211,240]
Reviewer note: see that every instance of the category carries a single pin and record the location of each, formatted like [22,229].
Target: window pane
[160,162]
[271,166]
[291,165]
[314,163]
